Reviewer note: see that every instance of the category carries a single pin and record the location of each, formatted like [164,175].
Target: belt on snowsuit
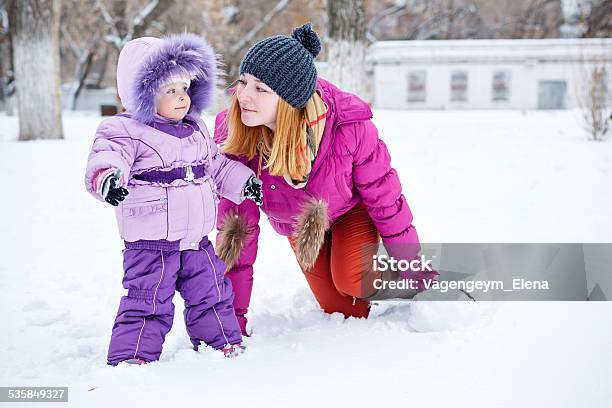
[188,173]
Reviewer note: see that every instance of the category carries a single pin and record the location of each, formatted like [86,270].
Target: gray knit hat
[286,64]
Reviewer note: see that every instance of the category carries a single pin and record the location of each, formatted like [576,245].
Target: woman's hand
[253,190]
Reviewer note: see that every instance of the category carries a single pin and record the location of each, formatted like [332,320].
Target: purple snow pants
[145,315]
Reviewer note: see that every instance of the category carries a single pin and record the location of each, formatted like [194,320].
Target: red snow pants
[343,272]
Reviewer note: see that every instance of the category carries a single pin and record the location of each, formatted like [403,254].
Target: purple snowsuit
[173,172]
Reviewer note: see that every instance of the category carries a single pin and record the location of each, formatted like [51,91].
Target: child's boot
[232,350]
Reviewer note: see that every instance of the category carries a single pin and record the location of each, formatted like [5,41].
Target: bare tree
[540,19]
[460,19]
[233,26]
[235,17]
[599,20]
[100,66]
[432,19]
[595,101]
[244,41]
[347,45]
[80,43]
[84,55]
[449,20]
[7,84]
[124,25]
[379,17]
[34,26]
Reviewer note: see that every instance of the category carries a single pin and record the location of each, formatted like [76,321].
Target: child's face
[173,101]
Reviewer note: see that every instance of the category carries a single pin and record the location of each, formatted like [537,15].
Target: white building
[90,99]
[486,74]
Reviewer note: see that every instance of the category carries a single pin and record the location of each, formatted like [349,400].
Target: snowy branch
[113,38]
[280,6]
[230,13]
[84,61]
[147,16]
[599,19]
[4,23]
[146,11]
[374,21]
[76,50]
[141,17]
[136,27]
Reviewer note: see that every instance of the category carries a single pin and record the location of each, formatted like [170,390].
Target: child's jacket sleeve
[112,148]
[230,175]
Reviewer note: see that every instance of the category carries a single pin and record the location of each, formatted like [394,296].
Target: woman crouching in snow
[161,153]
[328,182]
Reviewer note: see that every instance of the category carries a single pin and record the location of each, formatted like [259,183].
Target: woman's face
[258,102]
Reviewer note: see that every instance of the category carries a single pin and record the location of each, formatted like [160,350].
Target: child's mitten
[106,184]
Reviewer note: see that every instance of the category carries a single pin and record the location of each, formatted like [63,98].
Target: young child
[157,164]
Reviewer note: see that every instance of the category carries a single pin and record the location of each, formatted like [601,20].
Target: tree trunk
[35,34]
[347,45]
[83,66]
[102,65]
[10,80]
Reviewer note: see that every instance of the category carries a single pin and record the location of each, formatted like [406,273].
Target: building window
[417,89]
[459,81]
[551,94]
[501,86]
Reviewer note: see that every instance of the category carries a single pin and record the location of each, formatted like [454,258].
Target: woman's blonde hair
[282,149]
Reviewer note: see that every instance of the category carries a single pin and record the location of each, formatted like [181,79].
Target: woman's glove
[253,190]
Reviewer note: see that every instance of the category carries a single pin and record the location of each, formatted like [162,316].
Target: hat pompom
[308,38]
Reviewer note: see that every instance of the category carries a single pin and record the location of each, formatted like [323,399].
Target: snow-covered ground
[469,176]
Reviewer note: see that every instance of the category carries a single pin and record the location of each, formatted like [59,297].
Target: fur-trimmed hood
[146,63]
